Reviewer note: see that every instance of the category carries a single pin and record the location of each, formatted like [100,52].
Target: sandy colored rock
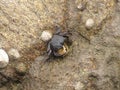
[93,60]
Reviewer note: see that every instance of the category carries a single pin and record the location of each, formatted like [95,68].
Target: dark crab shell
[57,46]
[57,42]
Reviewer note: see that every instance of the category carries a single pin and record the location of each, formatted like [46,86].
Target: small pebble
[21,68]
[89,23]
[81,7]
[46,35]
[13,53]
[4,59]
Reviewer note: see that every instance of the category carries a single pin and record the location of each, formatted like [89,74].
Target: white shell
[46,35]
[4,59]
[89,23]
[80,7]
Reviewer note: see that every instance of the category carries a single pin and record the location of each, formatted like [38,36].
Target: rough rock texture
[93,62]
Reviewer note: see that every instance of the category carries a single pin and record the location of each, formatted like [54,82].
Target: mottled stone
[21,68]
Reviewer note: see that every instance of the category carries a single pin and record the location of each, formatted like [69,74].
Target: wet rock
[33,16]
[21,68]
[4,59]
[13,53]
[89,23]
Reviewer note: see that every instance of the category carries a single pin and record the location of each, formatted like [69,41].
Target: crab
[58,44]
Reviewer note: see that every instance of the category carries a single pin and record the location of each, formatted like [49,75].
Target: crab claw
[62,51]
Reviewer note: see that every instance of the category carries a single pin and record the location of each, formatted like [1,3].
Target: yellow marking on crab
[63,51]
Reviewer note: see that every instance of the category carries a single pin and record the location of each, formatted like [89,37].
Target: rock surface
[93,62]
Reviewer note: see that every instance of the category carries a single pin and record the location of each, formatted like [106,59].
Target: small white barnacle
[46,35]
[4,59]
[89,23]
